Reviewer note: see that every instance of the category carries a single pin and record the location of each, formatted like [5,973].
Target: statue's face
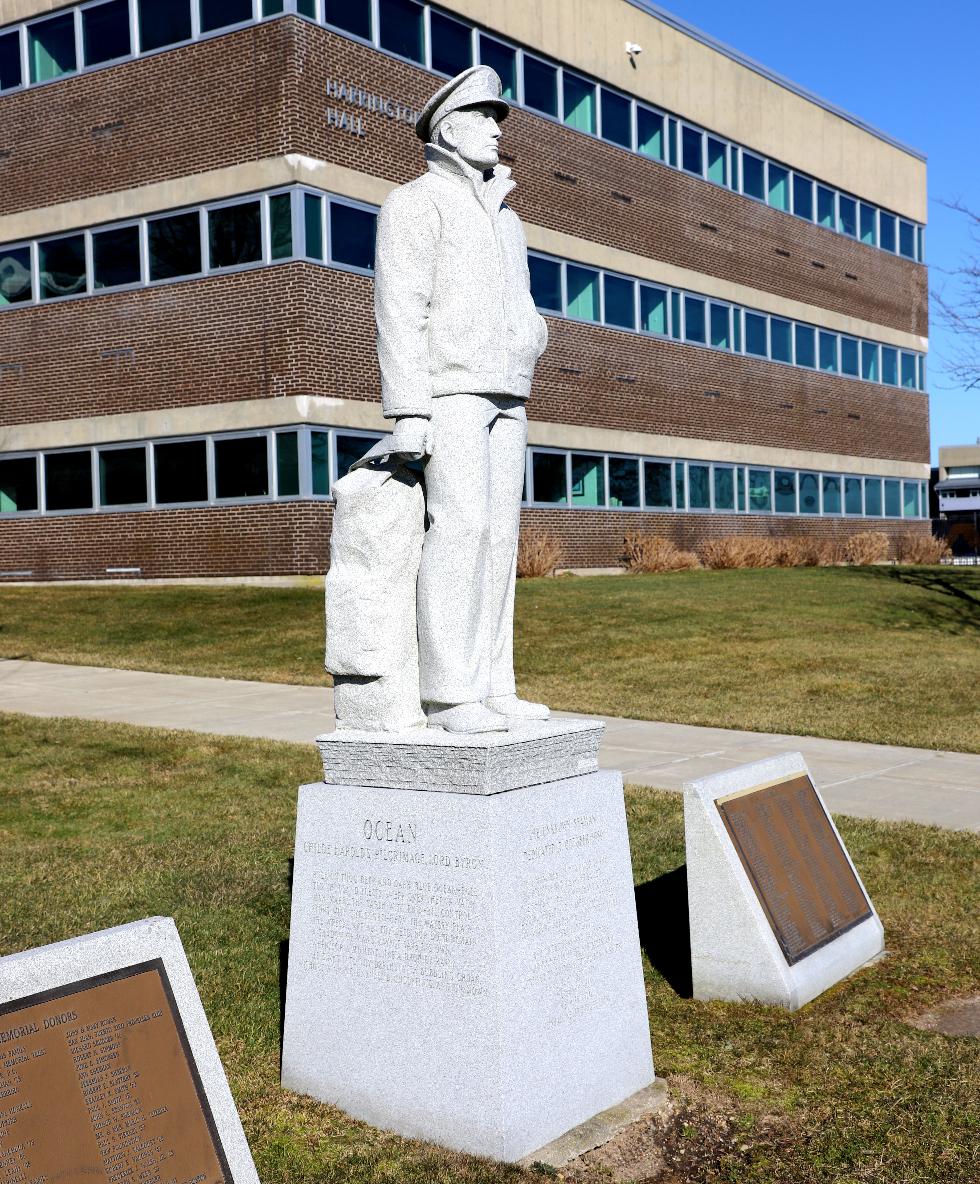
[473,133]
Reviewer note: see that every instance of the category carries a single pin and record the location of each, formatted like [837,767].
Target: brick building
[731,268]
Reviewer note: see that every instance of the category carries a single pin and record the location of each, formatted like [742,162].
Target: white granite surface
[734,953]
[466,968]
[63,963]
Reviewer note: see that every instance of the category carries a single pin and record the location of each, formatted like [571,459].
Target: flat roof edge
[742,59]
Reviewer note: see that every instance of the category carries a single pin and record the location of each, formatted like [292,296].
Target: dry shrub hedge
[739,551]
[917,548]
[870,546]
[538,554]
[648,552]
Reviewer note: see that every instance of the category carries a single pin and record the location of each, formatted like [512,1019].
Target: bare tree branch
[957,306]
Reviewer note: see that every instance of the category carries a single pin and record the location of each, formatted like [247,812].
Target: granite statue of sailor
[458,339]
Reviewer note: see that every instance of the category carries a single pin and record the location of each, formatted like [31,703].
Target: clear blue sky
[912,70]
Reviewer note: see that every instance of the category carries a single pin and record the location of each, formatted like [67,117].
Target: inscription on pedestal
[97,1082]
[795,863]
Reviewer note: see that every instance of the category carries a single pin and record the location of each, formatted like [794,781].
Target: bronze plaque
[796,864]
[97,1083]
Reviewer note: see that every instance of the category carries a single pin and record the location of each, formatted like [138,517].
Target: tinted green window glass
[352,235]
[281,225]
[872,497]
[672,142]
[887,231]
[680,486]
[180,472]
[620,307]
[163,22]
[579,102]
[922,374]
[778,186]
[319,462]
[116,257]
[852,496]
[737,330]
[18,484]
[806,349]
[540,86]
[353,16]
[694,319]
[10,73]
[401,28]
[617,120]
[785,486]
[287,464]
[62,265]
[122,477]
[653,309]
[920,247]
[235,234]
[68,480]
[867,224]
[826,212]
[869,361]
[271,7]
[908,370]
[847,214]
[760,496]
[649,133]
[583,292]
[828,352]
[675,315]
[241,467]
[717,161]
[548,471]
[105,32]
[849,356]
[803,197]
[698,487]
[15,275]
[720,334]
[174,246]
[755,334]
[724,488]
[889,365]
[753,176]
[893,499]
[51,47]
[588,481]
[452,45]
[313,225]
[781,340]
[218,14]
[906,240]
[306,8]
[656,483]
[624,481]
[350,449]
[545,282]
[809,493]
[831,495]
[692,150]
[503,59]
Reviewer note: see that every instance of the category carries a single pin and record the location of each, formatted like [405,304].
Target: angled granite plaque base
[777,910]
[465,967]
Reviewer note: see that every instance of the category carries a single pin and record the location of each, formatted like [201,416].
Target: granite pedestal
[464,966]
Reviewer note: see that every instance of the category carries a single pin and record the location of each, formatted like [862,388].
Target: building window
[583,292]
[503,59]
[872,497]
[803,197]
[15,275]
[116,257]
[452,44]
[549,478]
[578,100]
[51,47]
[781,338]
[68,480]
[219,14]
[893,499]
[778,184]
[869,361]
[617,122]
[352,236]
[908,371]
[624,481]
[889,365]
[281,225]
[653,310]
[588,480]
[806,348]
[828,352]
[753,176]
[545,282]
[718,162]
[657,484]
[174,246]
[886,231]
[320,463]
[809,493]
[724,481]
[241,467]
[105,32]
[785,489]
[755,335]
[826,207]
[287,464]
[831,495]
[695,327]
[353,16]
[10,72]
[906,240]
[62,266]
[847,213]
[620,301]
[163,22]
[849,356]
[401,29]
[122,476]
[650,133]
[540,85]
[760,492]
[867,225]
[680,485]
[350,449]
[180,472]
[853,501]
[313,226]
[698,487]
[720,321]
[235,234]
[18,485]
[692,150]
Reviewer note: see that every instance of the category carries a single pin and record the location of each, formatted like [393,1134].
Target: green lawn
[106,824]
[885,654]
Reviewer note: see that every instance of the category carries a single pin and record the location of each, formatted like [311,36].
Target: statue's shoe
[514,708]
[465,717]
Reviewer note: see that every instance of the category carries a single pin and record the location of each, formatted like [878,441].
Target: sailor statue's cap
[476,87]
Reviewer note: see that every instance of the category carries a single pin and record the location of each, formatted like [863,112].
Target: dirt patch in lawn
[958,1017]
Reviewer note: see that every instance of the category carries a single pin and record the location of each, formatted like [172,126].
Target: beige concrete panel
[679,73]
[18,10]
[284,170]
[348,413]
[958,456]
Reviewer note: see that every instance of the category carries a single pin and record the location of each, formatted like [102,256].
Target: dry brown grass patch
[538,554]
[870,546]
[649,553]
[920,549]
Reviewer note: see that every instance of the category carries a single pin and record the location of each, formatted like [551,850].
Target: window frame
[123,446]
[35,455]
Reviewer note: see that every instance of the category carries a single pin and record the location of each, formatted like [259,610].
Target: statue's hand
[412,436]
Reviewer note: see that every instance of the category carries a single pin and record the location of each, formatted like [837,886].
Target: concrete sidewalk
[866,780]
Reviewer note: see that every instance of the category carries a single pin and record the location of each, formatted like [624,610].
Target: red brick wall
[261,92]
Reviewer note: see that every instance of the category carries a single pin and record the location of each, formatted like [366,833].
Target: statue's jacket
[452,291]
